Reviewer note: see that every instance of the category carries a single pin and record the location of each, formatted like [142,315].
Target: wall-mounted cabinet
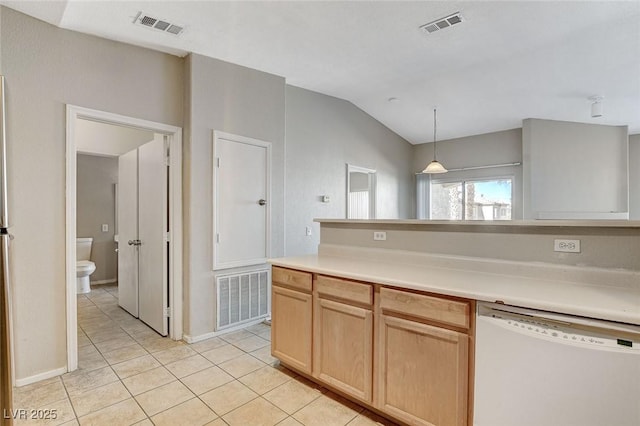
[404,354]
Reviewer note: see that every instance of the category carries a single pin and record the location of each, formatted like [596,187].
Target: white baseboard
[109,281]
[41,376]
[195,339]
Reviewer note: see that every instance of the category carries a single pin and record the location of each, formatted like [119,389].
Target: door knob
[134,242]
[262,202]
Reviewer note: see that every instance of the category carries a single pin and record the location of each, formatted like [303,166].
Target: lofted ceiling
[507,61]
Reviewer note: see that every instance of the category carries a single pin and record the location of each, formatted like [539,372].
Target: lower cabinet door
[291,327]
[423,373]
[343,347]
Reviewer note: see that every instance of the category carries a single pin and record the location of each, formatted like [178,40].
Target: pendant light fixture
[434,166]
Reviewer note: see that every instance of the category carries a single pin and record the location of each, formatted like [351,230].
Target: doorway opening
[163,153]
[361,192]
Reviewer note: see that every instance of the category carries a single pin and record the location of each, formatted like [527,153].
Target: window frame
[463,181]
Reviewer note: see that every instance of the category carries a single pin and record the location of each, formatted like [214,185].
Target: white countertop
[506,224]
[590,292]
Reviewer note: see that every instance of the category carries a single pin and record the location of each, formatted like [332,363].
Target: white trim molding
[217,135]
[175,224]
[100,282]
[200,337]
[41,376]
[372,191]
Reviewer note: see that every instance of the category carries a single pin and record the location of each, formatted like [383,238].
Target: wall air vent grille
[163,25]
[442,23]
[242,297]
[175,29]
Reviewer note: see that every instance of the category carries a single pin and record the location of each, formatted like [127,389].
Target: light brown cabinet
[405,354]
[343,336]
[422,373]
[291,318]
[423,367]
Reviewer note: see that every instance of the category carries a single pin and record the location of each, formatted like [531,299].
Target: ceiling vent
[144,20]
[442,23]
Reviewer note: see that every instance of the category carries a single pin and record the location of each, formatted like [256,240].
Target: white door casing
[152,229]
[241,201]
[175,218]
[128,231]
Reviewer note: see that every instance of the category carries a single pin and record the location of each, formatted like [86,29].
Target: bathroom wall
[96,204]
[47,68]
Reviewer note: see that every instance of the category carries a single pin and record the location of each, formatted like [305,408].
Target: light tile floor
[129,375]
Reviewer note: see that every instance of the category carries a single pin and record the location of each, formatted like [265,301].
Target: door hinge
[218,162]
[218,238]
[168,312]
[166,161]
[167,237]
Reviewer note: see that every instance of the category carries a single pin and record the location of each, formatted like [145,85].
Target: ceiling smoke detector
[144,20]
[442,23]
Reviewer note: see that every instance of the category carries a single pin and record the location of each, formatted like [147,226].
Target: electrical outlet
[379,236]
[307,231]
[105,227]
[566,246]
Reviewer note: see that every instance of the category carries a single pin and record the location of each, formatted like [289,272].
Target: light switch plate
[105,227]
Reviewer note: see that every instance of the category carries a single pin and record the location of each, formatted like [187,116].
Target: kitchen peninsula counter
[598,285]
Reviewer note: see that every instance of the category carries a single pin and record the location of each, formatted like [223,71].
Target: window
[481,199]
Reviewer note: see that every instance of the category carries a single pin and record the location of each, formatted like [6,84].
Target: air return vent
[242,297]
[442,23]
[145,20]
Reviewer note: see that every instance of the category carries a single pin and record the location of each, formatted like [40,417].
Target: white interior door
[128,231]
[152,229]
[241,201]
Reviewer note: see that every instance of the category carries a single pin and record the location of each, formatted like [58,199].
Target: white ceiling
[508,61]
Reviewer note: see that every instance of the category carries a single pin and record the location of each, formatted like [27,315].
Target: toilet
[84,267]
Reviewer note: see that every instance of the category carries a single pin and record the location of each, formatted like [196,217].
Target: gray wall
[45,69]
[241,101]
[574,167]
[96,203]
[634,177]
[323,135]
[480,150]
[600,247]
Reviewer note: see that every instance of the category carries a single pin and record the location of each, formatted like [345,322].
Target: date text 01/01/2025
[24,414]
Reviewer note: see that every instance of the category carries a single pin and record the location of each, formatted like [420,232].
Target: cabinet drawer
[346,290]
[450,312]
[289,277]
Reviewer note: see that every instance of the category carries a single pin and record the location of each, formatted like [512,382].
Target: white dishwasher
[546,369]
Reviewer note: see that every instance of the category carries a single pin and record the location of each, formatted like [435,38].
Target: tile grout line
[197,352]
[147,417]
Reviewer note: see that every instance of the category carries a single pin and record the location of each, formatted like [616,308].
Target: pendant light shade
[434,166]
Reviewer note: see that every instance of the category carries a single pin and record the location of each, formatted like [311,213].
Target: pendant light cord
[434,134]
